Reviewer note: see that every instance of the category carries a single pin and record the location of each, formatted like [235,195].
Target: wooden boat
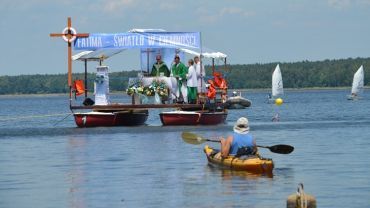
[118,118]
[192,118]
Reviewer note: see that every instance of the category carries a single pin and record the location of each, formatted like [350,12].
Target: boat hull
[235,106]
[253,164]
[353,97]
[192,118]
[237,102]
[96,119]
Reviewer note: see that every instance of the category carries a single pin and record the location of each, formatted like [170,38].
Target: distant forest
[305,74]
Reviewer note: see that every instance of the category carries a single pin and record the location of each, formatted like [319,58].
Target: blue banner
[139,40]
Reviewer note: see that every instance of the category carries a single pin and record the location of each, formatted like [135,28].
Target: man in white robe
[201,73]
[192,83]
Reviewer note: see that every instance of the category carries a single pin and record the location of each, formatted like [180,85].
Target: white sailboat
[277,84]
[357,84]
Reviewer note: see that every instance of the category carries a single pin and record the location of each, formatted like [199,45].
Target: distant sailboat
[357,84]
[277,84]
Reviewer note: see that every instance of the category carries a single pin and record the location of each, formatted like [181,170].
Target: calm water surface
[48,165]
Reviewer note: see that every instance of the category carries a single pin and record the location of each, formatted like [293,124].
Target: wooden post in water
[69,34]
[301,199]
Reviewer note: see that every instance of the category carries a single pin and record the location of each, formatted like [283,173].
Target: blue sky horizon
[247,31]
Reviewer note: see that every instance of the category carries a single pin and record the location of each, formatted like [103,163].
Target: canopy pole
[147,60]
[213,65]
[225,64]
[201,63]
[70,70]
[85,78]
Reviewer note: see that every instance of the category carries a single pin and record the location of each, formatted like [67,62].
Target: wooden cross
[69,34]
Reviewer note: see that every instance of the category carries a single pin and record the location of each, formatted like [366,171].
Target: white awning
[216,55]
[97,55]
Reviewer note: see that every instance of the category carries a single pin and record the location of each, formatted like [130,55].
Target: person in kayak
[241,142]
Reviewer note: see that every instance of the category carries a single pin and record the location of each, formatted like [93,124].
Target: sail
[358,81]
[277,82]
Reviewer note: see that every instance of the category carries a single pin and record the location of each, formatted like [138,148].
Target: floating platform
[118,118]
[192,118]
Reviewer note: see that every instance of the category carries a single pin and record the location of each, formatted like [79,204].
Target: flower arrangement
[149,91]
[135,89]
[159,87]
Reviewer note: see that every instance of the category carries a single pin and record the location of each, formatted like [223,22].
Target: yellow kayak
[254,164]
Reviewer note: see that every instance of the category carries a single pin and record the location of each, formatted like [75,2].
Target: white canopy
[216,55]
[96,55]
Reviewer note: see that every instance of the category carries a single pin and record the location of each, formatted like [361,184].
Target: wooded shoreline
[298,75]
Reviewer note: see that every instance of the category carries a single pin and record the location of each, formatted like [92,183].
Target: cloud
[169,6]
[21,5]
[340,4]
[141,5]
[117,5]
[346,4]
[209,17]
[235,11]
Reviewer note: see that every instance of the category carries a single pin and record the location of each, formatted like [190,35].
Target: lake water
[48,165]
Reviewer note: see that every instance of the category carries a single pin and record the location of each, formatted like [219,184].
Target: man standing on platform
[159,67]
[179,71]
[192,83]
[201,73]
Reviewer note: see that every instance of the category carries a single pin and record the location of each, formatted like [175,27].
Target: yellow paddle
[192,138]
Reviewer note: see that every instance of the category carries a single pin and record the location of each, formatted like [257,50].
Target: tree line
[304,74]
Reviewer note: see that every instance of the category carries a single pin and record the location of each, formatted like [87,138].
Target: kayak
[253,163]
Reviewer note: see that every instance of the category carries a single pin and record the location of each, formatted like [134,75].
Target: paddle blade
[192,138]
[281,149]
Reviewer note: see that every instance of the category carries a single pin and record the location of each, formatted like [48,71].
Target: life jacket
[79,87]
[211,94]
[219,81]
[241,142]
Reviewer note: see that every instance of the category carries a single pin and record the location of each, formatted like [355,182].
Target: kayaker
[241,142]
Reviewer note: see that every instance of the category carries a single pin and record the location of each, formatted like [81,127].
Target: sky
[248,31]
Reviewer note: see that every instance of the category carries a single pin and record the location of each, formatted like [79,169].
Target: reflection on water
[287,173]
[76,176]
[227,174]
